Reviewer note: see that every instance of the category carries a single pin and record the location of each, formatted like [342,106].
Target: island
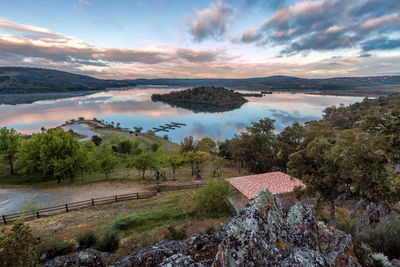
[203,99]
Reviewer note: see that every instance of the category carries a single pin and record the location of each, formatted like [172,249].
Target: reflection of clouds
[134,108]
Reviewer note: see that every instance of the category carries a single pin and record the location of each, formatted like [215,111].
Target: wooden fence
[44,212]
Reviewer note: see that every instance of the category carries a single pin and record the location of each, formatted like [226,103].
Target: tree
[144,161]
[175,161]
[155,147]
[10,142]
[319,170]
[258,146]
[288,142]
[125,147]
[188,144]
[197,159]
[53,154]
[96,140]
[107,160]
[87,161]
[218,164]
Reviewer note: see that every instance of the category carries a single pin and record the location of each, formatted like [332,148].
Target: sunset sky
[128,39]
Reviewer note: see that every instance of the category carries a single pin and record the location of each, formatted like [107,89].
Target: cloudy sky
[199,38]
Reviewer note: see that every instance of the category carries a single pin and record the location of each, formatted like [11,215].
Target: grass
[145,216]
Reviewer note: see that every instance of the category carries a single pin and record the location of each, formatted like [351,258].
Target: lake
[133,107]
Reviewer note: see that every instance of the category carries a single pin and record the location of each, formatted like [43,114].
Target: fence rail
[47,211]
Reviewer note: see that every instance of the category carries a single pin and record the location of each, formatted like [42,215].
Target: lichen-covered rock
[260,235]
[87,258]
[373,214]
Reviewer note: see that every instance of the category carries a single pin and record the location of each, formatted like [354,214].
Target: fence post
[37,215]
[92,202]
[4,219]
[137,195]
[116,198]
[66,207]
[197,185]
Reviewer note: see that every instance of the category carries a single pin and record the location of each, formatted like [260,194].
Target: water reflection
[134,107]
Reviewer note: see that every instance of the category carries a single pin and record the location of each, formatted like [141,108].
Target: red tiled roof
[275,182]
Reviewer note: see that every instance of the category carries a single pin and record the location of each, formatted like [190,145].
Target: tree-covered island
[200,99]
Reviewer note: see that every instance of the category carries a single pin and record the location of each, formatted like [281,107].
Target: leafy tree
[259,146]
[197,160]
[96,140]
[17,246]
[145,161]
[125,147]
[87,161]
[218,164]
[319,170]
[188,144]
[175,161]
[206,144]
[10,142]
[155,147]
[288,142]
[107,160]
[53,153]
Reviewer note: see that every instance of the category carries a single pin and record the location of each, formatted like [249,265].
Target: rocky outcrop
[88,258]
[260,235]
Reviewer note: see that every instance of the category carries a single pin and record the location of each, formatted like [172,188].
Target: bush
[50,248]
[384,238]
[174,234]
[108,242]
[17,246]
[87,239]
[127,223]
[211,199]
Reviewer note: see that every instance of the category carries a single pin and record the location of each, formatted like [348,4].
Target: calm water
[134,107]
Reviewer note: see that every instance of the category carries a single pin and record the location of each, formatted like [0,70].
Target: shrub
[211,199]
[174,234]
[384,238]
[129,222]
[17,246]
[50,248]
[87,239]
[109,241]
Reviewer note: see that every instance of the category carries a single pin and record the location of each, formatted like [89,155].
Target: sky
[128,39]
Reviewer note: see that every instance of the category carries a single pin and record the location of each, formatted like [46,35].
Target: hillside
[212,99]
[17,80]
[341,85]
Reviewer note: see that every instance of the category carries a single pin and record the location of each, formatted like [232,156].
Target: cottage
[278,183]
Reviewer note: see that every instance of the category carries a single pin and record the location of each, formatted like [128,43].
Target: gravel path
[82,129]
[14,200]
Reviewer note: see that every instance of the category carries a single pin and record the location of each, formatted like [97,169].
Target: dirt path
[14,200]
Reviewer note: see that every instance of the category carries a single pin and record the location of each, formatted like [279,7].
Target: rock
[261,234]
[87,258]
[373,214]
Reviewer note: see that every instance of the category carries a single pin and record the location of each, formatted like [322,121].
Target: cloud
[381,43]
[268,4]
[210,22]
[250,35]
[196,56]
[41,43]
[323,25]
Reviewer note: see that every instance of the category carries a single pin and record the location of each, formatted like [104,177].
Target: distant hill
[377,84]
[20,80]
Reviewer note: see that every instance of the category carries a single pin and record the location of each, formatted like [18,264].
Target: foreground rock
[260,235]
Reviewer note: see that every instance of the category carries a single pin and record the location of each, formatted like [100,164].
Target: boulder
[87,258]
